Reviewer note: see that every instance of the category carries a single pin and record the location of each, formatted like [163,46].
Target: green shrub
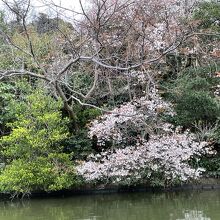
[43,173]
[216,134]
[192,94]
[32,152]
[85,115]
[79,144]
[194,107]
[208,12]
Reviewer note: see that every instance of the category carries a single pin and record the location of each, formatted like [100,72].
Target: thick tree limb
[11,73]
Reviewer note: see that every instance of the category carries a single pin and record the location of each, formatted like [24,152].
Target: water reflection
[194,215]
[135,206]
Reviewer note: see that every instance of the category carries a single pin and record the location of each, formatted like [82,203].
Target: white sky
[69,4]
[39,6]
[73,5]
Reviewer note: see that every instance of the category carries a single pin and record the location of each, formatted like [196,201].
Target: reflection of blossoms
[165,155]
[194,215]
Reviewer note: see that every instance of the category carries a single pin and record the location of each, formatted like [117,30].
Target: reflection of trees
[138,206]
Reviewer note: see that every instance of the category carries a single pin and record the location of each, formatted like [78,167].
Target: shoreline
[203,184]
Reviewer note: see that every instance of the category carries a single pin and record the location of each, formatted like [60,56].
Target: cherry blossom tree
[164,160]
[112,40]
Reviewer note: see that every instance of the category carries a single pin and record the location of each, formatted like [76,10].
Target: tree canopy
[101,96]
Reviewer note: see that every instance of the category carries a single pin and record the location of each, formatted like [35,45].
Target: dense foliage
[126,94]
[32,152]
[193,92]
[208,13]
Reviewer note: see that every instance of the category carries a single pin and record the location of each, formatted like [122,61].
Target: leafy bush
[32,151]
[43,173]
[11,90]
[78,144]
[212,165]
[85,115]
[209,14]
[193,96]
[193,107]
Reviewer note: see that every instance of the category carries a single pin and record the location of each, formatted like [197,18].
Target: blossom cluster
[140,76]
[167,156]
[140,114]
[106,129]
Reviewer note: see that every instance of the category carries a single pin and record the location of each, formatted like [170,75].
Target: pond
[187,205]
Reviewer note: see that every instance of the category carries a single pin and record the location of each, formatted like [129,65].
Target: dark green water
[189,205]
